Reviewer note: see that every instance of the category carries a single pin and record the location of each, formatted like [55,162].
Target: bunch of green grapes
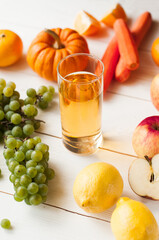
[41,98]
[27,160]
[17,116]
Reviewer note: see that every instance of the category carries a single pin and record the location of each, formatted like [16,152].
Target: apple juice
[80,104]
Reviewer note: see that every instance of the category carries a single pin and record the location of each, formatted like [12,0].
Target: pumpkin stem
[57,44]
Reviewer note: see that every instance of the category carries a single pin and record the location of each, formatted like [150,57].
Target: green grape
[28,154]
[36,156]
[18,199]
[8,153]
[6,108]
[14,97]
[11,84]
[29,122]
[50,173]
[36,125]
[0,172]
[25,180]
[16,93]
[12,178]
[9,161]
[36,112]
[5,223]
[17,131]
[31,92]
[27,200]
[19,170]
[5,100]
[1,89]
[16,118]
[1,97]
[46,156]
[40,178]
[28,129]
[40,168]
[2,82]
[21,101]
[8,115]
[42,90]
[11,143]
[8,91]
[12,165]
[31,163]
[35,199]
[29,110]
[14,105]
[29,100]
[33,188]
[30,143]
[1,115]
[43,105]
[19,156]
[47,97]
[44,198]
[19,143]
[17,183]
[43,189]
[37,140]
[23,148]
[41,147]
[51,89]
[22,192]
[43,163]
[32,172]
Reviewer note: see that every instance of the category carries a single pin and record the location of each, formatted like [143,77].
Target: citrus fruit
[132,220]
[155,51]
[11,48]
[97,187]
[86,24]
[112,15]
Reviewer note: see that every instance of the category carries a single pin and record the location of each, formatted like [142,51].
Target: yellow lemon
[97,187]
[132,220]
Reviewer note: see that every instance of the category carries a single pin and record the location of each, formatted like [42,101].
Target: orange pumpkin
[50,46]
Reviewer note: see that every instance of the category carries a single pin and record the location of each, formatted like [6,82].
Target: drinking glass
[80,81]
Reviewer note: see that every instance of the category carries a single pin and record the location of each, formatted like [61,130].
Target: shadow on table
[20,65]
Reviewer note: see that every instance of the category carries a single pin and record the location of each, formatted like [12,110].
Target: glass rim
[79,54]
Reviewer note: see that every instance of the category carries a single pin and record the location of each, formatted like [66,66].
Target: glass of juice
[80,81]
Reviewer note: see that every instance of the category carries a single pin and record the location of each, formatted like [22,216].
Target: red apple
[155,91]
[145,139]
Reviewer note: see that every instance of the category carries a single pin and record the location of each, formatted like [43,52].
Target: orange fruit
[155,51]
[11,48]
[112,15]
[86,24]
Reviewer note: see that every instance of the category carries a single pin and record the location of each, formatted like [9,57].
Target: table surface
[125,105]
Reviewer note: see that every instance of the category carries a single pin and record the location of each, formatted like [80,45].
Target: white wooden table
[124,107]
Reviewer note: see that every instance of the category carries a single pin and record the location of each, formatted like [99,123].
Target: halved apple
[143,177]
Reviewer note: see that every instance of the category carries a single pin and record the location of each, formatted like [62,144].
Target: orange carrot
[110,59]
[139,30]
[126,44]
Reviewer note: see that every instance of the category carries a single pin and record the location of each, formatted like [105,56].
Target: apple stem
[148,159]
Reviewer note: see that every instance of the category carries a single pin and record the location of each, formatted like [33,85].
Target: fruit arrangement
[100,185]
